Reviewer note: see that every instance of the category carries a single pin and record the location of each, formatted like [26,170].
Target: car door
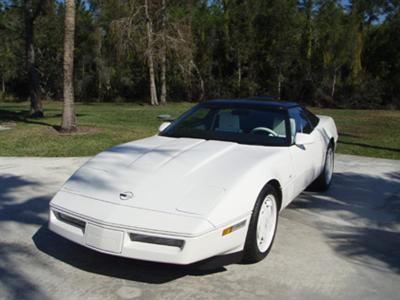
[306,159]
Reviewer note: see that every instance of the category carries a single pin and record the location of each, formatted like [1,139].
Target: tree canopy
[318,52]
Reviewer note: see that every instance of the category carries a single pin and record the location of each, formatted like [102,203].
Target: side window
[313,118]
[299,122]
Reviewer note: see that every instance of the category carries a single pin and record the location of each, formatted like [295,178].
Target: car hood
[166,174]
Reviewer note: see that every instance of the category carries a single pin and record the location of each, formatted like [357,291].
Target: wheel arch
[251,251]
[275,183]
[332,142]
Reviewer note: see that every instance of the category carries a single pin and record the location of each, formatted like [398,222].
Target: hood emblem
[126,196]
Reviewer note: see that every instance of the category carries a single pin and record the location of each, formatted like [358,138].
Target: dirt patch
[4,128]
[7,125]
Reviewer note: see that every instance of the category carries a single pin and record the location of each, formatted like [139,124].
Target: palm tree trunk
[69,120]
[163,97]
[150,58]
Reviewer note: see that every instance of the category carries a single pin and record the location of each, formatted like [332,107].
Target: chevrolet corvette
[210,183]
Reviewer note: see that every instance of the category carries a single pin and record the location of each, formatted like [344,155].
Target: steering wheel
[264,129]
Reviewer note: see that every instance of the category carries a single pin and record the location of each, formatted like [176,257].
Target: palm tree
[68,123]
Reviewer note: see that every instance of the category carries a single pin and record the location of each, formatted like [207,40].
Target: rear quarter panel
[328,129]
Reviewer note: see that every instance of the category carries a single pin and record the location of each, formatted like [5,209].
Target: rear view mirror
[303,139]
[163,126]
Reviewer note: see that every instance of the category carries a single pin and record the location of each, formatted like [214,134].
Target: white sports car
[210,183]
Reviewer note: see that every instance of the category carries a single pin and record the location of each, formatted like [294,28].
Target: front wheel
[262,227]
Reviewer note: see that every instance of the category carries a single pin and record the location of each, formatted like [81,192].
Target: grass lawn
[362,132]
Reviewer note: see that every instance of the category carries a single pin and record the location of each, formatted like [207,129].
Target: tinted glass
[299,122]
[240,125]
[313,118]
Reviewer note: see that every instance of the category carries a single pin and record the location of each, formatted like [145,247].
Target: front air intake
[142,238]
[70,220]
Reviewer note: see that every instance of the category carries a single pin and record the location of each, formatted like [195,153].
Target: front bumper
[120,240]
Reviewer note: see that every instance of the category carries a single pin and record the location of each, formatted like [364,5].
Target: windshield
[254,126]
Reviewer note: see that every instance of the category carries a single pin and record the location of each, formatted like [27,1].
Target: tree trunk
[279,83]
[201,98]
[279,87]
[163,97]
[333,83]
[36,110]
[309,35]
[239,79]
[356,18]
[356,64]
[150,58]
[3,85]
[226,19]
[69,120]
[99,42]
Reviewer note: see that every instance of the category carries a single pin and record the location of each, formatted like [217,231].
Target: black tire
[323,182]
[251,252]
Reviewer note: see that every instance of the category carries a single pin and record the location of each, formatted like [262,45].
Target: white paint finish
[196,248]
[327,128]
[175,175]
[200,199]
[187,187]
[303,139]
[120,216]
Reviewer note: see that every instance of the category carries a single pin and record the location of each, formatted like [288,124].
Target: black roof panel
[260,102]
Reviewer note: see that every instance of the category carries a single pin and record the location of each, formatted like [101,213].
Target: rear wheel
[262,227]
[324,180]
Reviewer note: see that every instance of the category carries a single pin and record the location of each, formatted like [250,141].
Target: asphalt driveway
[343,244]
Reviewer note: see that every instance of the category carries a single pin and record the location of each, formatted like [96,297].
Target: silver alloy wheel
[266,223]
[329,165]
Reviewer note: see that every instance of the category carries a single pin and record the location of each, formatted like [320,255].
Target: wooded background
[325,53]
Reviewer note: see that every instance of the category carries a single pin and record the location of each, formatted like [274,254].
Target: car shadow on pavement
[366,211]
[114,266]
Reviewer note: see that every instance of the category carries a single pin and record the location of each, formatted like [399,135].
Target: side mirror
[303,139]
[163,126]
